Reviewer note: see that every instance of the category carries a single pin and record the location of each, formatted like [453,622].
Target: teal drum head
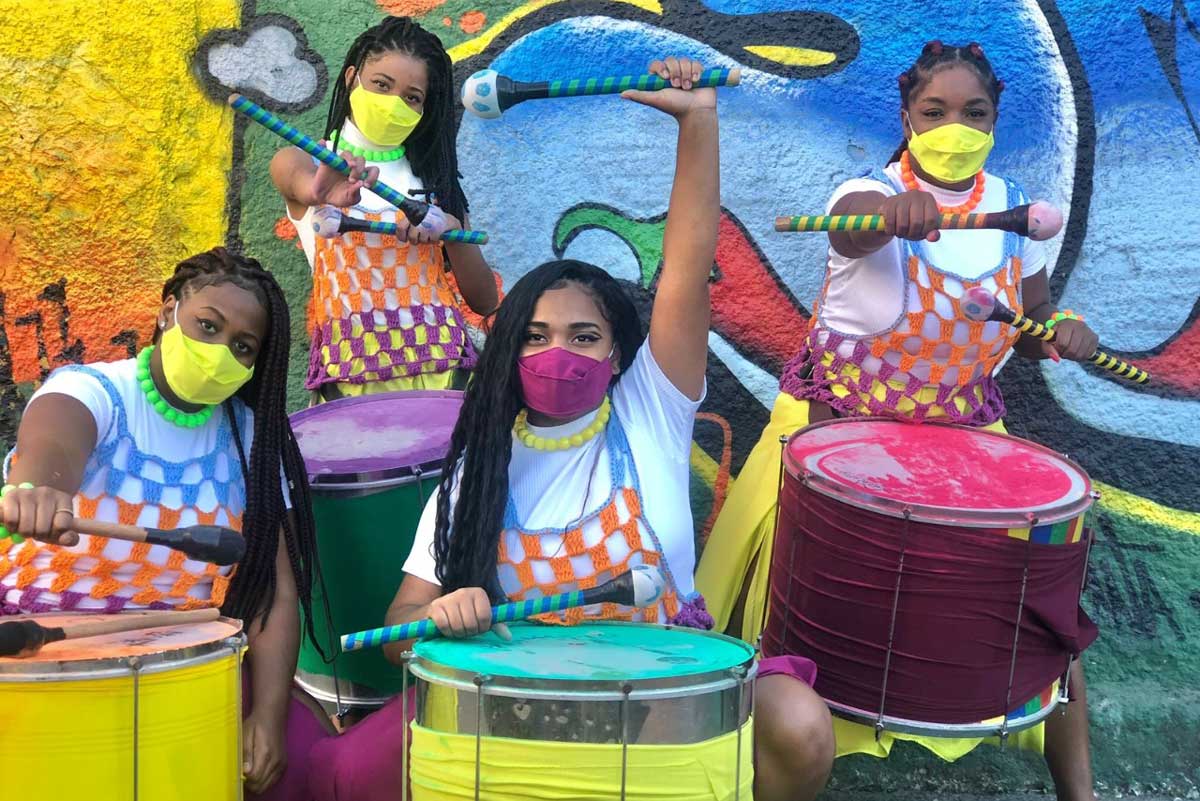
[588,654]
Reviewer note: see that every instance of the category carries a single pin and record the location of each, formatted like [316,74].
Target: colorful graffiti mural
[1100,117]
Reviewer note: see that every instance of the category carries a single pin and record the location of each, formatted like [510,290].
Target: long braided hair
[431,146]
[467,536]
[936,57]
[253,587]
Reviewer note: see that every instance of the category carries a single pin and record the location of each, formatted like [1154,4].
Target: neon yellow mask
[203,373]
[953,152]
[384,119]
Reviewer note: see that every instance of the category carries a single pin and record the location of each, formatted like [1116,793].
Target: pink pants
[364,763]
[304,730]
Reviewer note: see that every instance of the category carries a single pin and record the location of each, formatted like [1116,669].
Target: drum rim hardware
[168,659]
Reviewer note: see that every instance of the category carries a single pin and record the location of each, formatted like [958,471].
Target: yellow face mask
[202,373]
[953,152]
[384,119]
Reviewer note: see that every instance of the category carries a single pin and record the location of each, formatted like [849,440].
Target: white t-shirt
[135,442]
[865,296]
[548,488]
[396,174]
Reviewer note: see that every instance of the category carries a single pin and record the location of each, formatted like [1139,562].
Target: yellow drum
[149,715]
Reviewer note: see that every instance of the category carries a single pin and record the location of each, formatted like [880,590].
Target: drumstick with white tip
[642,585]
[488,94]
[22,638]
[1038,221]
[982,306]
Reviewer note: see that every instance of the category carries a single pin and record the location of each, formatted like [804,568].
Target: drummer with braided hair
[384,315]
[192,431]
[889,339]
[570,464]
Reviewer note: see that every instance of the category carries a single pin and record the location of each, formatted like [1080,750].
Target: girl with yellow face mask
[193,430]
[386,314]
[888,339]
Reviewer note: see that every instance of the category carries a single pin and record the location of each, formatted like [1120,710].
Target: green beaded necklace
[395,154]
[173,415]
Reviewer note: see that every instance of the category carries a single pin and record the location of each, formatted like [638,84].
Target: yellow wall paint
[115,162]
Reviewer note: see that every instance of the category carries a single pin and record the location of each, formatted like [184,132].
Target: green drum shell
[362,570]
[674,710]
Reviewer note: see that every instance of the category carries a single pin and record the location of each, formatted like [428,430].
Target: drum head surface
[940,473]
[141,643]
[375,434]
[590,652]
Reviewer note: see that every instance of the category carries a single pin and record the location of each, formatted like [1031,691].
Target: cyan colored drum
[372,463]
[599,710]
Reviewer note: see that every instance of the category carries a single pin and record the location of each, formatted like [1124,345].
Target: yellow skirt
[744,531]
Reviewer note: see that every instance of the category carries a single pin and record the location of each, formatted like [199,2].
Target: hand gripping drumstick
[329,222]
[488,94]
[1038,221]
[980,305]
[26,637]
[640,586]
[414,210]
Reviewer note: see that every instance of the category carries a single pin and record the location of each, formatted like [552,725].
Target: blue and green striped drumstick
[488,94]
[329,222]
[414,210]
[642,585]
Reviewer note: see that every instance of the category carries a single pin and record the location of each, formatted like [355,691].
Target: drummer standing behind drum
[576,433]
[383,316]
[866,356]
[194,430]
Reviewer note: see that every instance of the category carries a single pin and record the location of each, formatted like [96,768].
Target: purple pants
[304,730]
[363,764]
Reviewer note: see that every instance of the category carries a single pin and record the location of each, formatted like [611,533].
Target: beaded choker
[173,415]
[395,154]
[531,440]
[910,183]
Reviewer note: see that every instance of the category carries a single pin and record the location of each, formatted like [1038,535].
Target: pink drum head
[376,435]
[938,473]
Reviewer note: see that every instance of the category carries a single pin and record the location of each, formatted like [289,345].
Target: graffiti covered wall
[123,160]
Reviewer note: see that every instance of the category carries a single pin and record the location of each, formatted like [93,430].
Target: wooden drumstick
[26,637]
[640,586]
[328,222]
[488,94]
[216,544]
[1038,221]
[980,305]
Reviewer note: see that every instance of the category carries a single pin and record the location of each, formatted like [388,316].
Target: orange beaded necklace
[910,183]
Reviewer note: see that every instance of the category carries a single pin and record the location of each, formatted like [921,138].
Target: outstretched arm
[680,319]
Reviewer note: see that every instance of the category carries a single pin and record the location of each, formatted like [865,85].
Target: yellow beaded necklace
[531,440]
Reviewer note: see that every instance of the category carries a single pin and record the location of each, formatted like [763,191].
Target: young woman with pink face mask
[574,441]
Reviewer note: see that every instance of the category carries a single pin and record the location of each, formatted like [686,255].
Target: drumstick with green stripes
[1038,221]
[982,306]
[488,94]
[329,222]
[414,210]
[642,585]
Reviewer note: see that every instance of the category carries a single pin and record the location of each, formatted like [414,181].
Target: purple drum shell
[376,434]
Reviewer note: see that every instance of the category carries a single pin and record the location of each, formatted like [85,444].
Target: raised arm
[680,319]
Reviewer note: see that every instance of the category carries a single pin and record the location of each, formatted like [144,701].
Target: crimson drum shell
[932,571]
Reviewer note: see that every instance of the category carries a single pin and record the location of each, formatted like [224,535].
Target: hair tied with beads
[933,47]
[902,79]
[975,49]
[999,86]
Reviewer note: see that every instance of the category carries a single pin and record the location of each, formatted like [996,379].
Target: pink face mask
[559,383]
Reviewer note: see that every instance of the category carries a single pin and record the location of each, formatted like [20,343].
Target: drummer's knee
[793,740]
